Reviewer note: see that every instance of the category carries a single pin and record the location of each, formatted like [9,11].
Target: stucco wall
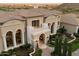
[1,42]
[13,26]
[70,28]
[53,19]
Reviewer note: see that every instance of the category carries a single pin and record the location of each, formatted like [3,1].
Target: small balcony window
[58,23]
[35,23]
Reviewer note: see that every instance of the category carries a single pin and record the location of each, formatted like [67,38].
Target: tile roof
[17,14]
[70,19]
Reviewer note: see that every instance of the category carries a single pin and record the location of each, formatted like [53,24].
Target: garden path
[75,53]
[46,50]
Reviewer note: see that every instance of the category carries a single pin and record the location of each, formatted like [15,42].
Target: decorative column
[76,29]
[14,38]
[23,37]
[4,41]
[55,28]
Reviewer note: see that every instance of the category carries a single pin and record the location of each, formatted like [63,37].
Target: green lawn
[75,45]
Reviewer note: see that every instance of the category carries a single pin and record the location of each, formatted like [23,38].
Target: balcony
[44,28]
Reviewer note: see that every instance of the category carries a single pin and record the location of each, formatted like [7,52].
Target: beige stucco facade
[12,26]
[36,32]
[28,32]
[54,19]
[1,42]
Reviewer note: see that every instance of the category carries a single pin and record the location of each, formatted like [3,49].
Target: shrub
[62,48]
[38,52]
[5,53]
[19,51]
[61,30]
[76,34]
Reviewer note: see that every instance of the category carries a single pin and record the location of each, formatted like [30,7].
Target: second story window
[35,23]
[58,23]
[44,20]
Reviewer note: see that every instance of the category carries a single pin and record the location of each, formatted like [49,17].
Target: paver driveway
[47,51]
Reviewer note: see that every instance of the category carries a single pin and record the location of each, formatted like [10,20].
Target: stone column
[4,41]
[14,39]
[23,37]
[55,28]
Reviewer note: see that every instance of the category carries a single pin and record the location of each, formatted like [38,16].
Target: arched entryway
[9,39]
[42,39]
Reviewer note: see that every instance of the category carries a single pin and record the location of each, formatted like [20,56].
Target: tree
[61,46]
[69,49]
[65,47]
[56,45]
[61,30]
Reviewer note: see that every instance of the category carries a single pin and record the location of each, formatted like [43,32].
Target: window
[35,23]
[78,30]
[18,37]
[58,23]
[52,27]
[49,25]
[44,20]
[9,39]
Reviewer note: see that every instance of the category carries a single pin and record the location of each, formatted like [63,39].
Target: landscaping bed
[38,52]
[75,45]
[20,51]
[60,42]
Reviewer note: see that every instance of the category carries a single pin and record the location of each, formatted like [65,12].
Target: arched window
[49,25]
[52,27]
[18,37]
[9,39]
[58,23]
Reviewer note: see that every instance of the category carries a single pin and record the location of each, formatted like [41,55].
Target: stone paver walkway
[47,51]
[75,53]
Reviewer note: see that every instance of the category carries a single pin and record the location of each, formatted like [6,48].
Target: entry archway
[42,39]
